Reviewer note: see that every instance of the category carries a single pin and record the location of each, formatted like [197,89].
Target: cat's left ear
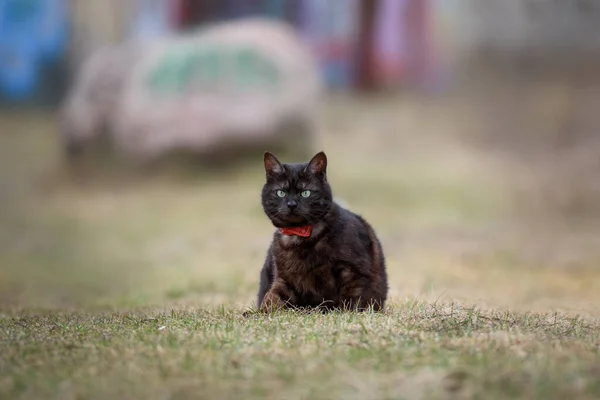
[318,164]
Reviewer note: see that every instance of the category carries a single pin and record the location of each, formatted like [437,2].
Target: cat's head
[296,194]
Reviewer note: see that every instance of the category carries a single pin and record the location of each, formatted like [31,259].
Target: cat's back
[358,238]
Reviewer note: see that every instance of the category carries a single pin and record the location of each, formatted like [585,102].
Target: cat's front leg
[278,297]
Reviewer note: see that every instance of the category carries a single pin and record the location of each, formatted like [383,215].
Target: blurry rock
[217,92]
[238,84]
[88,110]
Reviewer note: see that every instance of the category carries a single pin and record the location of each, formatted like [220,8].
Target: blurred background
[132,133]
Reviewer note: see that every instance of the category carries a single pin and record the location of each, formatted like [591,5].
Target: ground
[136,289]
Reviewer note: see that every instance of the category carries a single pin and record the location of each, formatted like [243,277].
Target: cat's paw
[271,303]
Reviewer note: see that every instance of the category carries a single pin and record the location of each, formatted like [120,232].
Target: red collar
[302,231]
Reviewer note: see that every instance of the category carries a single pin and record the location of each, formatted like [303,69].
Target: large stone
[231,86]
[89,108]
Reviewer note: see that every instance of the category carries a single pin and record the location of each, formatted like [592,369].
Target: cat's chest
[310,272]
[303,262]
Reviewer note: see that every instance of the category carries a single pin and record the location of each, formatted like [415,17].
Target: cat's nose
[292,204]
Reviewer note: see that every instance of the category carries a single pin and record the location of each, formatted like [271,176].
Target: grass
[413,350]
[136,289]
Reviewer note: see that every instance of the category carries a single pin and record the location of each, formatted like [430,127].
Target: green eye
[305,193]
[280,193]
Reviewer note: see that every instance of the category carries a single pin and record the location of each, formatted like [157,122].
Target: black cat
[322,255]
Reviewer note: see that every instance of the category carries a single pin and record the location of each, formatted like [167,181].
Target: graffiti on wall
[32,33]
[212,67]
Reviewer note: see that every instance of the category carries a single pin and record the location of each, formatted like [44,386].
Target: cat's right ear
[272,165]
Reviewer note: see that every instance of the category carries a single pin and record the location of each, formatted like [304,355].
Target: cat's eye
[280,193]
[305,193]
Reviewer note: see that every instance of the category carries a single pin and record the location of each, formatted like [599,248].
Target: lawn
[136,288]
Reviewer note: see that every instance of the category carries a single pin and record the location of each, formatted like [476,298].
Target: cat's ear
[272,165]
[318,164]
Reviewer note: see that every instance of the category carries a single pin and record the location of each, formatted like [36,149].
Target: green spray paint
[211,67]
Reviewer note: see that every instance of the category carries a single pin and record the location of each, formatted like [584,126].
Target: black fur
[341,265]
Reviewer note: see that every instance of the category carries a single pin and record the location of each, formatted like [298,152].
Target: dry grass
[136,289]
[414,350]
